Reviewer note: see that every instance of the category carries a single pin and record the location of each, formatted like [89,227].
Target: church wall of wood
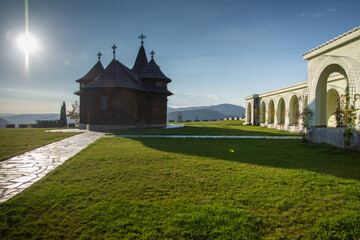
[124,107]
[156,106]
[82,106]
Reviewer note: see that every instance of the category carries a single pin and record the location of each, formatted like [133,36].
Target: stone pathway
[20,172]
[205,136]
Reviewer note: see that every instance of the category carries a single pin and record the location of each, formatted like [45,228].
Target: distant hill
[227,110]
[3,123]
[200,114]
[6,114]
[31,118]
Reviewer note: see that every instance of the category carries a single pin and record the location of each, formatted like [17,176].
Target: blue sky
[214,51]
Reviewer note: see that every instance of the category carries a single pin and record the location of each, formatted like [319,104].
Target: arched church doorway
[294,111]
[271,113]
[332,77]
[263,112]
[281,112]
[248,113]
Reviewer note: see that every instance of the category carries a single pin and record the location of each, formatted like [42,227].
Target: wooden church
[121,98]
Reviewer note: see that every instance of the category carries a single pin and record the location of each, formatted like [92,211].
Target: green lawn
[146,188]
[211,128]
[220,122]
[14,141]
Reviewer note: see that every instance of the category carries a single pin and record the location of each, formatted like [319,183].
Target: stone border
[206,136]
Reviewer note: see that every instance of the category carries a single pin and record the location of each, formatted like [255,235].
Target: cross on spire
[114,47]
[99,55]
[152,54]
[142,36]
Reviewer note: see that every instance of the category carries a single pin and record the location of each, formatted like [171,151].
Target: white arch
[318,74]
[321,68]
[263,112]
[271,112]
[319,92]
[294,110]
[248,113]
[281,112]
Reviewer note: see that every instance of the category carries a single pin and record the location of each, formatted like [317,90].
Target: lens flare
[27,43]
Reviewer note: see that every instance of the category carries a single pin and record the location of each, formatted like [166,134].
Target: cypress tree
[63,120]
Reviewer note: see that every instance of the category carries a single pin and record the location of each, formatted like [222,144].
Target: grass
[220,122]
[148,188]
[14,141]
[209,128]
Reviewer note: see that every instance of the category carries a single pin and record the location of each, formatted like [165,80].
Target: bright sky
[215,51]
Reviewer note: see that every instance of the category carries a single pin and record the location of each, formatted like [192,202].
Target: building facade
[333,67]
[121,98]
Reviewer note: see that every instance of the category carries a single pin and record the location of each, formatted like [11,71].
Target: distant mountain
[31,118]
[200,114]
[6,114]
[170,109]
[3,123]
[228,110]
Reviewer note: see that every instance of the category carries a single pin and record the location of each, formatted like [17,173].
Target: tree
[63,120]
[306,116]
[74,114]
[349,117]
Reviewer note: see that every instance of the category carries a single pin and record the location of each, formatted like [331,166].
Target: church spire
[141,59]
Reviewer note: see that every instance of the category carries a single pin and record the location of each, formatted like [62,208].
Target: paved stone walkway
[20,172]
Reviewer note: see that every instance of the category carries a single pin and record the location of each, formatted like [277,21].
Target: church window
[160,84]
[104,103]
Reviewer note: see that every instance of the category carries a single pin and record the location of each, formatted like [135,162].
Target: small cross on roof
[142,36]
[152,54]
[99,55]
[114,47]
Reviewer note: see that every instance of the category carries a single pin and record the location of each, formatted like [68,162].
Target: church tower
[94,72]
[156,81]
[141,59]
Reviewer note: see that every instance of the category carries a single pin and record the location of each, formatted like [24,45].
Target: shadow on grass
[287,154]
[208,130]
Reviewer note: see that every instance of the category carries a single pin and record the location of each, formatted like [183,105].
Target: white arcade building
[332,67]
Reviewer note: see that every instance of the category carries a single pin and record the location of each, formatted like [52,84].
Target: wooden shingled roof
[94,72]
[117,75]
[152,70]
[141,60]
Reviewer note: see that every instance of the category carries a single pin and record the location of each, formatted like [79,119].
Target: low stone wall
[289,128]
[104,128]
[332,136]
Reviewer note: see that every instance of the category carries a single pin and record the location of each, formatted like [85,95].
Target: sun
[27,43]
